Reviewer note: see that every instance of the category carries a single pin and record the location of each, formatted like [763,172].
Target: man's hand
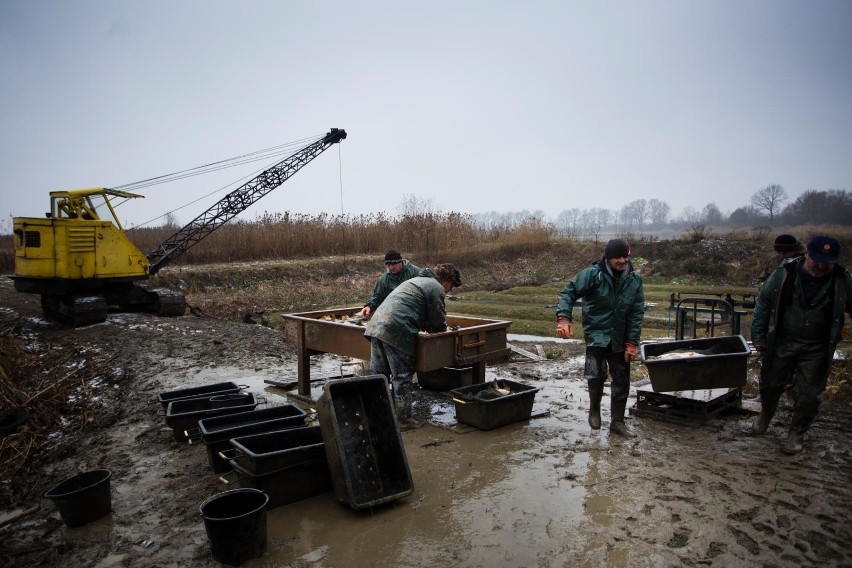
[760,347]
[564,328]
[629,352]
[365,312]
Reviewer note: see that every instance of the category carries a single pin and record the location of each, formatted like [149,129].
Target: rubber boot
[793,443]
[767,410]
[617,425]
[595,394]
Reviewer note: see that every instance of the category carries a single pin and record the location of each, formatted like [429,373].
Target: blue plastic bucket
[235,522]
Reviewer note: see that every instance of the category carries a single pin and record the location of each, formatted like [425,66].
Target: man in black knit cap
[398,270]
[613,309]
[786,247]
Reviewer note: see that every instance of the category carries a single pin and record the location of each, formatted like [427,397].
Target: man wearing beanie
[797,323]
[613,309]
[398,271]
[786,247]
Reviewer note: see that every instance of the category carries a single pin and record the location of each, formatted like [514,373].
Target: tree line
[769,206]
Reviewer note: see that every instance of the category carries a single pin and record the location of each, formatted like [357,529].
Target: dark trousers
[399,367]
[599,360]
[803,368]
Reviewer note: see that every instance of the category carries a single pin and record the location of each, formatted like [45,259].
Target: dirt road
[547,492]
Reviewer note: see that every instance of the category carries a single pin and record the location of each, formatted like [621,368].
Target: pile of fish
[355,319]
[684,353]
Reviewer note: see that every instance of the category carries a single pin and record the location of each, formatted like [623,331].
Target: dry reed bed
[64,388]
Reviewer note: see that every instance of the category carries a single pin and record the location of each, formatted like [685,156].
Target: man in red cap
[798,319]
[613,309]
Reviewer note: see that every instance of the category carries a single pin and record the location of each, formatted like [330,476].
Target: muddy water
[551,492]
[507,497]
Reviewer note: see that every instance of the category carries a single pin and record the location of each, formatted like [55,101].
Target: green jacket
[776,294]
[611,313]
[387,282]
[415,305]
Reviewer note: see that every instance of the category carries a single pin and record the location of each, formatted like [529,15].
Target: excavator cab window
[32,239]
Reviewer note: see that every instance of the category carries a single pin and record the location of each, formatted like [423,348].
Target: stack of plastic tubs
[288,465]
[216,432]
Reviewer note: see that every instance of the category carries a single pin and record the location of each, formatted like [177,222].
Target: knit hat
[392,256]
[787,243]
[616,248]
[824,249]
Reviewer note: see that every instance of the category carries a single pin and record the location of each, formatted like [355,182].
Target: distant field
[532,309]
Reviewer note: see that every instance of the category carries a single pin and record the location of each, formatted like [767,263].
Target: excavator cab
[79,258]
[87,204]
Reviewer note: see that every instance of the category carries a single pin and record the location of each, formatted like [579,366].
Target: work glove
[564,328]
[365,312]
[629,352]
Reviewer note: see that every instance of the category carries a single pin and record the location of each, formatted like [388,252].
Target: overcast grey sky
[478,106]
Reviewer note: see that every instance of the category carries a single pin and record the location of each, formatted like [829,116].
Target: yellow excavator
[79,259]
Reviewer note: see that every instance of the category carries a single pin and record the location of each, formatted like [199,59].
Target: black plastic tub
[217,431]
[363,445]
[488,412]
[446,378]
[693,364]
[264,453]
[183,415]
[287,485]
[83,498]
[235,522]
[205,391]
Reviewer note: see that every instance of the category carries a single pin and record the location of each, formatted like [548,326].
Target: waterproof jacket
[776,295]
[415,305]
[387,282]
[612,313]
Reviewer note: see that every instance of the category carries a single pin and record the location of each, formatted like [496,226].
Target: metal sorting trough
[475,342]
[709,363]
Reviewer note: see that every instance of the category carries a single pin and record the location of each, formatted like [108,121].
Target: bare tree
[711,215]
[413,206]
[567,222]
[690,216]
[770,199]
[658,212]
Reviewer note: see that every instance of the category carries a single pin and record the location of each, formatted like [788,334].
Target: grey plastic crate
[717,362]
[363,445]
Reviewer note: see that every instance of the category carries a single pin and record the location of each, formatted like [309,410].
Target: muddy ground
[547,492]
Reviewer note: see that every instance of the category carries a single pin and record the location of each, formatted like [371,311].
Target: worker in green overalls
[797,323]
